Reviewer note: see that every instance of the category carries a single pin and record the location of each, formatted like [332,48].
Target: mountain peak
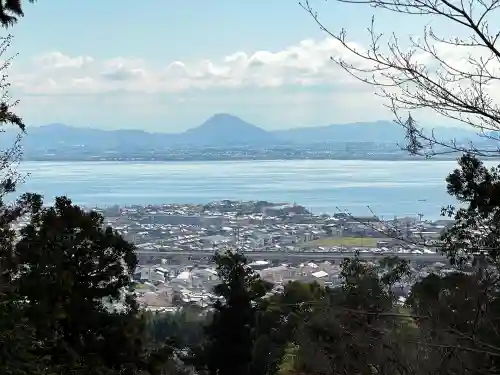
[224,121]
[223,116]
[224,128]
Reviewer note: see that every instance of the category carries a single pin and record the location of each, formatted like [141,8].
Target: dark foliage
[475,234]
[70,271]
[184,328]
[229,338]
[10,11]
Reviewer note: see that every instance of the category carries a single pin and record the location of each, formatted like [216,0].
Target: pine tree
[10,11]
[230,338]
[75,276]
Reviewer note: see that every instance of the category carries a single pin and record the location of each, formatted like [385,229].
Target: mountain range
[220,130]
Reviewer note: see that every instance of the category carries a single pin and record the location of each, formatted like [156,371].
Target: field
[345,241]
[141,286]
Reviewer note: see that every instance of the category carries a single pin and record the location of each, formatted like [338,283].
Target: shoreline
[202,160]
[388,187]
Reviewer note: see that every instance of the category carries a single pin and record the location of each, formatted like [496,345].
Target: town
[283,242]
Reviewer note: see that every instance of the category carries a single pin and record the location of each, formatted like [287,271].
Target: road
[270,255]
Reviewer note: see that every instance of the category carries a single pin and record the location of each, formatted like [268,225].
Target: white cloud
[57,60]
[296,86]
[305,64]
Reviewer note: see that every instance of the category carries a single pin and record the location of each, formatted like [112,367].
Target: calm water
[389,188]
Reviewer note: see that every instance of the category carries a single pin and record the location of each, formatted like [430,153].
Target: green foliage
[10,11]
[288,363]
[229,337]
[76,276]
[185,328]
[64,272]
[170,335]
[311,329]
[278,320]
[460,317]
[18,346]
[11,156]
[477,222]
[351,329]
[66,299]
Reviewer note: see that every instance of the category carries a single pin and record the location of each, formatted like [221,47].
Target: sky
[169,65]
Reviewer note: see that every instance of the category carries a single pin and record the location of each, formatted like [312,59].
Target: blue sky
[168,65]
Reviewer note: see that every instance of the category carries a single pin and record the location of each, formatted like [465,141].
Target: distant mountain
[57,136]
[377,131]
[219,130]
[226,129]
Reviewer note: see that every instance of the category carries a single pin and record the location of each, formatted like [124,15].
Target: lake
[389,188]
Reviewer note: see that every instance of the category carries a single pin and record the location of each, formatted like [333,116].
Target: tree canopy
[10,11]
[228,346]
[68,303]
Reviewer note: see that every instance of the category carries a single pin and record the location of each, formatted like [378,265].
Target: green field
[345,241]
[141,286]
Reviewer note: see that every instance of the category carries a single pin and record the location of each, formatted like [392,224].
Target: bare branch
[455,77]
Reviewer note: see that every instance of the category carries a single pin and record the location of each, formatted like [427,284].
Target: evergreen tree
[475,234]
[279,317]
[10,11]
[348,331]
[75,276]
[229,338]
[18,346]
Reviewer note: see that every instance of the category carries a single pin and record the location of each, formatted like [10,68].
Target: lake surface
[402,188]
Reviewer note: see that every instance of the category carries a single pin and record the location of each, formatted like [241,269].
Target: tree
[229,338]
[10,11]
[184,327]
[177,298]
[355,329]
[459,320]
[10,157]
[424,76]
[171,335]
[18,346]
[421,73]
[75,278]
[476,230]
[279,317]
[455,77]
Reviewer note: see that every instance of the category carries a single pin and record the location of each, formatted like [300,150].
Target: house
[149,274]
[279,274]
[215,240]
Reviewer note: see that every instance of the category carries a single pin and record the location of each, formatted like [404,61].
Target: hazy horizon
[147,77]
[268,128]
[262,126]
